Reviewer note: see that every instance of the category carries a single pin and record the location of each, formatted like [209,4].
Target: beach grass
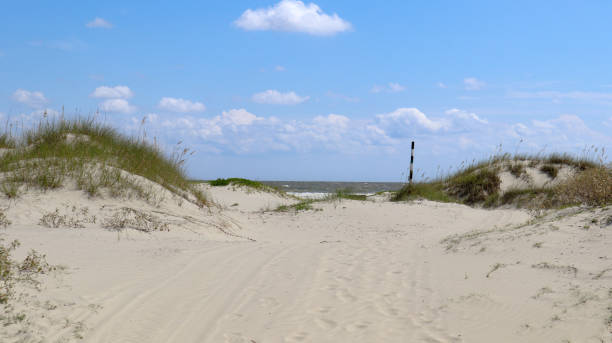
[94,155]
[478,183]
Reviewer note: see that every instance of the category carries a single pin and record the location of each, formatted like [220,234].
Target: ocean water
[320,189]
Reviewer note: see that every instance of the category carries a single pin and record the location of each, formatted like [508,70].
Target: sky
[324,90]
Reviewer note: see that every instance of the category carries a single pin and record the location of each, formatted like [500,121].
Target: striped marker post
[411,164]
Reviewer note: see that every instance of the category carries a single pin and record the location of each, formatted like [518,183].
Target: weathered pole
[411,164]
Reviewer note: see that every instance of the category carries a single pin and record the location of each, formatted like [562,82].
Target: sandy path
[353,272]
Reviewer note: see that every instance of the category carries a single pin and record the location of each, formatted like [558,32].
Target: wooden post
[411,164]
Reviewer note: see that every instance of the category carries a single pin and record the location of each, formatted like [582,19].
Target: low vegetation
[127,217]
[479,183]
[95,156]
[236,181]
[304,205]
[13,271]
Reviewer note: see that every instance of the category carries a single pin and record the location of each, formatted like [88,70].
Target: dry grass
[127,217]
[592,187]
[12,271]
[92,154]
[478,183]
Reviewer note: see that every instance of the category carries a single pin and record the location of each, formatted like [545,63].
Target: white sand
[352,272]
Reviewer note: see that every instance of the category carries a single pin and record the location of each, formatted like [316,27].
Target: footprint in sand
[345,296]
[297,337]
[325,324]
[233,316]
[360,325]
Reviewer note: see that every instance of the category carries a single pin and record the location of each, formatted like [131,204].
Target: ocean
[319,189]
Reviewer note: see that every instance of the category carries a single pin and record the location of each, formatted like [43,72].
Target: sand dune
[354,271]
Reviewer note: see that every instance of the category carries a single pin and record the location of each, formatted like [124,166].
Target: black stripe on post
[411,163]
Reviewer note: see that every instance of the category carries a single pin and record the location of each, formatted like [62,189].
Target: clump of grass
[592,187]
[10,189]
[550,170]
[516,169]
[47,155]
[581,164]
[305,205]
[476,186]
[432,191]
[4,221]
[131,218]
[77,218]
[12,271]
[348,194]
[6,141]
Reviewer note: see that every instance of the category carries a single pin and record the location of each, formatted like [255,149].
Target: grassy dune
[479,183]
[95,156]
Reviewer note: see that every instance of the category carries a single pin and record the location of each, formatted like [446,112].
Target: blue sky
[324,90]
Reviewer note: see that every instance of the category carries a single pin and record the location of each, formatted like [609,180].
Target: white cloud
[99,23]
[279,68]
[117,106]
[33,99]
[461,114]
[336,120]
[181,105]
[405,120]
[277,98]
[238,117]
[473,84]
[293,16]
[441,85]
[391,87]
[122,92]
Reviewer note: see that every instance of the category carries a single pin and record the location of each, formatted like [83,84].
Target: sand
[350,271]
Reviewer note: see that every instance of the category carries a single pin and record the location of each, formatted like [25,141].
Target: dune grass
[95,155]
[479,184]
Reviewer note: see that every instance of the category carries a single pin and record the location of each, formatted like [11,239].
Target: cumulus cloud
[277,98]
[336,120]
[117,106]
[99,23]
[118,92]
[279,68]
[409,119]
[33,99]
[461,114]
[292,16]
[237,117]
[441,85]
[180,105]
[473,84]
[391,87]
